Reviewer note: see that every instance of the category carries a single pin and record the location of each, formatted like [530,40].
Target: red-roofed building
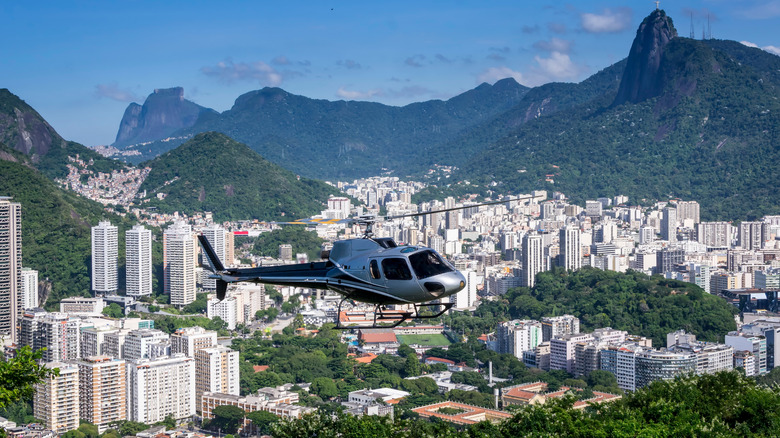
[536,393]
[459,413]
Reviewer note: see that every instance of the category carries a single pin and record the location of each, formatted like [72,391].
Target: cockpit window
[427,264]
[373,267]
[396,269]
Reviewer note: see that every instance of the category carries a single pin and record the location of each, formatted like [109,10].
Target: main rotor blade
[463,207]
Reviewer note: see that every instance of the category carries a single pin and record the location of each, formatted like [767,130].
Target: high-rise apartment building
[285,252]
[138,241]
[562,351]
[103,398]
[146,344]
[688,210]
[216,237]
[516,337]
[715,234]
[652,365]
[179,264]
[556,326]
[56,399]
[216,370]
[752,235]
[191,339]
[230,249]
[669,224]
[104,259]
[533,258]
[161,387]
[10,267]
[58,333]
[571,249]
[29,288]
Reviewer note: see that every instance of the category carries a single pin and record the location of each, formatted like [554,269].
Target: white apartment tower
[10,266]
[533,258]
[571,249]
[161,387]
[104,258]
[103,388]
[56,399]
[191,339]
[179,264]
[216,237]
[139,261]
[29,288]
[216,370]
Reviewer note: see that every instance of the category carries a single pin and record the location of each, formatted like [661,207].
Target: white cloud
[494,74]
[771,49]
[112,91]
[355,95]
[257,71]
[608,21]
[554,45]
[559,66]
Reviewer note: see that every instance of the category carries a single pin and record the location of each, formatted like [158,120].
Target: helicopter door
[374,273]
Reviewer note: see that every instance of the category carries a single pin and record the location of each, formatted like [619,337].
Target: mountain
[55,227]
[212,172]
[24,130]
[325,139]
[164,112]
[705,125]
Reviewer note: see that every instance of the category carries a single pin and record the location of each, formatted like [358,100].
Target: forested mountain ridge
[710,134]
[213,172]
[24,130]
[346,139]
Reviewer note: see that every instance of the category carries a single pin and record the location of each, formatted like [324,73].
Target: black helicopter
[368,269]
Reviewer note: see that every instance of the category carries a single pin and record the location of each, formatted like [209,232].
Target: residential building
[227,309]
[556,326]
[139,261]
[278,401]
[93,341]
[103,391]
[710,357]
[191,339]
[216,237]
[160,387]
[179,264]
[518,336]
[667,259]
[533,258]
[146,344]
[688,210]
[82,306]
[56,399]
[562,351]
[105,257]
[29,288]
[755,344]
[57,333]
[752,235]
[652,365]
[620,360]
[216,370]
[669,225]
[10,267]
[571,248]
[714,234]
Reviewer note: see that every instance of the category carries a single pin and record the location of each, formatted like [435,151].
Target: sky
[80,63]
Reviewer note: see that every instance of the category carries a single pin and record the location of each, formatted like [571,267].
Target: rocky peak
[640,79]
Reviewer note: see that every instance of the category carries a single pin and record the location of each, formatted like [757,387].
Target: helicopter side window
[427,264]
[396,269]
[373,268]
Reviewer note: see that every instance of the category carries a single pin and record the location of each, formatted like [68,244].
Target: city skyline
[88,61]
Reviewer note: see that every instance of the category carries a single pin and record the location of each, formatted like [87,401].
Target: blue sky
[80,63]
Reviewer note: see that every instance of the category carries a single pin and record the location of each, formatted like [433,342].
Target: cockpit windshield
[428,263]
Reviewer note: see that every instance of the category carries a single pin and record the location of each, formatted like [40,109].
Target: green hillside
[55,227]
[212,172]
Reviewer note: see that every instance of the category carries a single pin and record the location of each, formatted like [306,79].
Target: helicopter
[369,269]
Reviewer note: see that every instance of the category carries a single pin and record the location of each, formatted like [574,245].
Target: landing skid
[393,318]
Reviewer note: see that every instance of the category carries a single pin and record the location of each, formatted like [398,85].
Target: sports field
[432,340]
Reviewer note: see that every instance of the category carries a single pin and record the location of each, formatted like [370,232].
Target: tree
[262,421]
[113,311]
[18,375]
[227,419]
[88,429]
[324,387]
[412,366]
[405,350]
[169,422]
[73,434]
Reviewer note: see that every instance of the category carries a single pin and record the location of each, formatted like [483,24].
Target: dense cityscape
[116,366]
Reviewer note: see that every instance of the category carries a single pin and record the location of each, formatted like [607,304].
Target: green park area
[431,340]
